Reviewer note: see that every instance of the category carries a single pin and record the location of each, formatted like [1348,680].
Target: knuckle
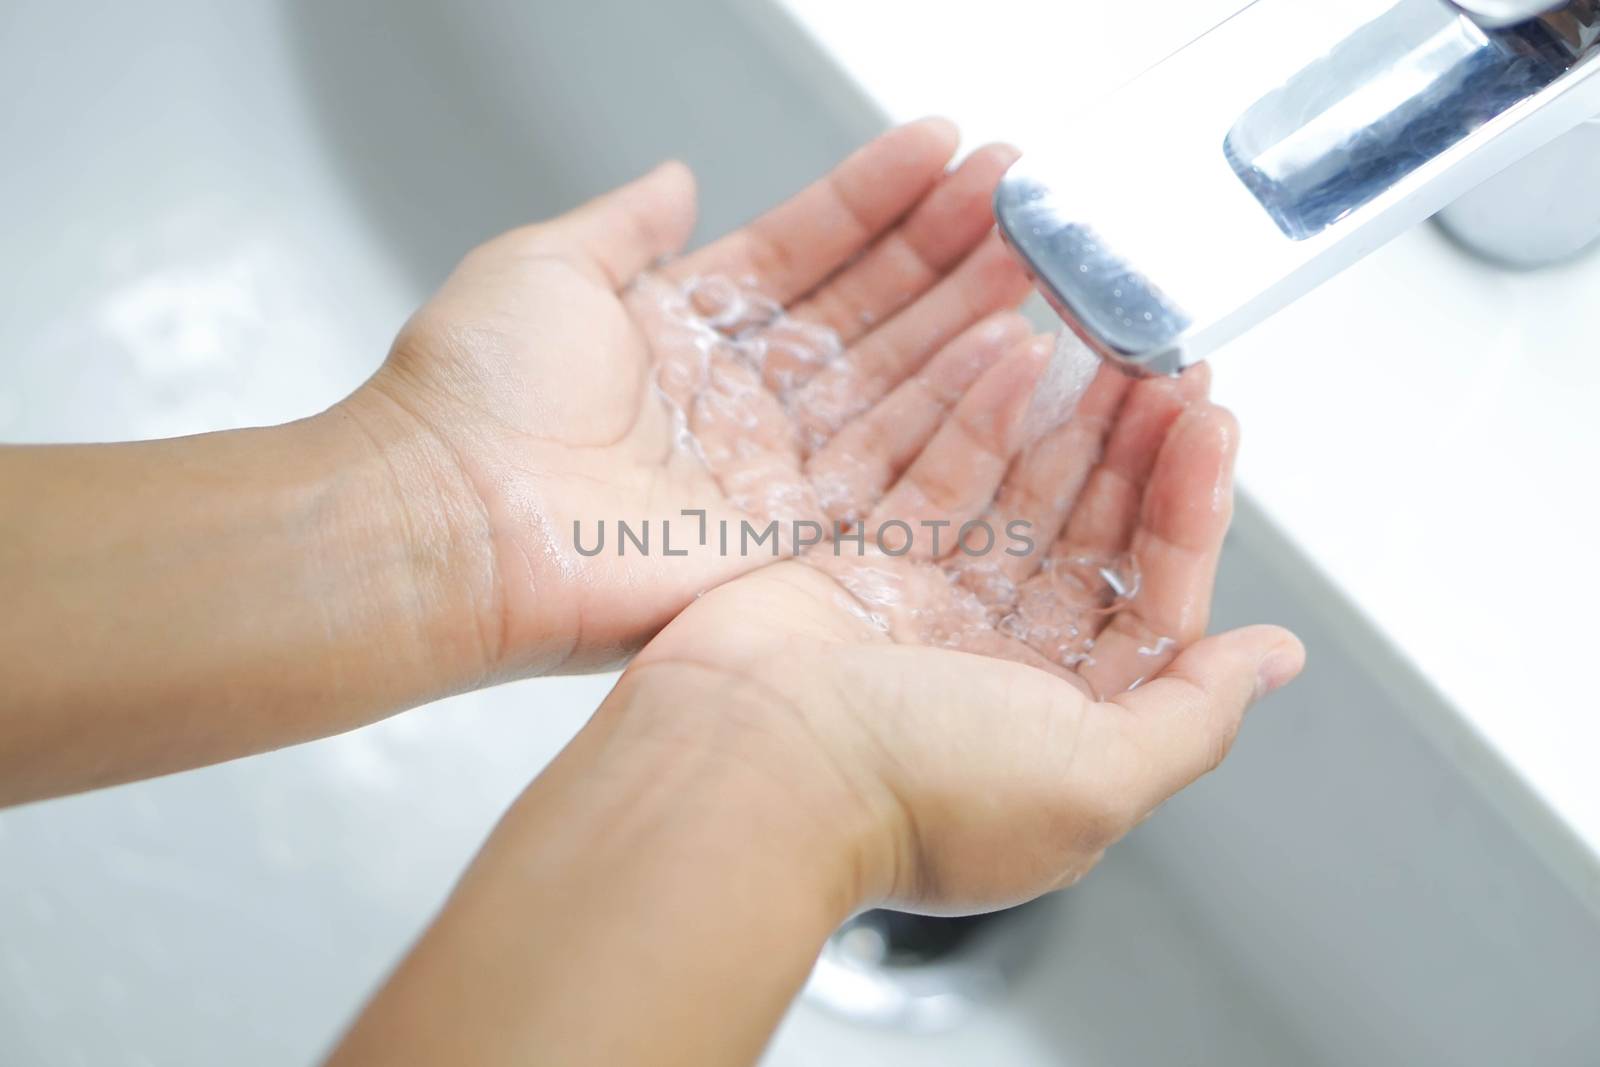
[771,258]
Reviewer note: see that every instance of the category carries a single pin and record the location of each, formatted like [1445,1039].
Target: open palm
[543,363]
[1004,718]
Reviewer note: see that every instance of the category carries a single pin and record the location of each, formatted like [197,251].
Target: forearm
[175,603]
[656,897]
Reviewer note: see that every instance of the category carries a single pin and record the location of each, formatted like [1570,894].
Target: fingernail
[1006,153]
[1276,671]
[946,127]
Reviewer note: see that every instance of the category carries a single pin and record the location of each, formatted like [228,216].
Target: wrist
[413,534]
[744,745]
[663,861]
[198,599]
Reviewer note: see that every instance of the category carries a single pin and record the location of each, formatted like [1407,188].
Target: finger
[1044,485]
[1103,521]
[938,233]
[852,471]
[1180,725]
[791,249]
[1061,609]
[986,281]
[1176,547]
[620,233]
[954,478]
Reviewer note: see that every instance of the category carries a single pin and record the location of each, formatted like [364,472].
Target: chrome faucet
[1293,140]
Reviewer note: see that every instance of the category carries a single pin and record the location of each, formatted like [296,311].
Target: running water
[753,392]
[1071,369]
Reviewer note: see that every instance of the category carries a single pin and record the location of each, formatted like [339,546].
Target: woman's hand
[937,731]
[523,398]
[1000,719]
[181,602]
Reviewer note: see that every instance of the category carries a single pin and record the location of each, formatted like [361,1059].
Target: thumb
[1184,720]
[620,233]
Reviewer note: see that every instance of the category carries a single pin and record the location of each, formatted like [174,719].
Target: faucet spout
[1279,149]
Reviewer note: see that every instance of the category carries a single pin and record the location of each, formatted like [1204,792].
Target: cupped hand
[995,719]
[541,380]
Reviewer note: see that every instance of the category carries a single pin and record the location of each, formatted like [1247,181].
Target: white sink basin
[218,214]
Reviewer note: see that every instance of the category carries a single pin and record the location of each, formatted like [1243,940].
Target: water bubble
[730,358]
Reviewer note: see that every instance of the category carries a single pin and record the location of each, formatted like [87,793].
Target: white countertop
[1424,428]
